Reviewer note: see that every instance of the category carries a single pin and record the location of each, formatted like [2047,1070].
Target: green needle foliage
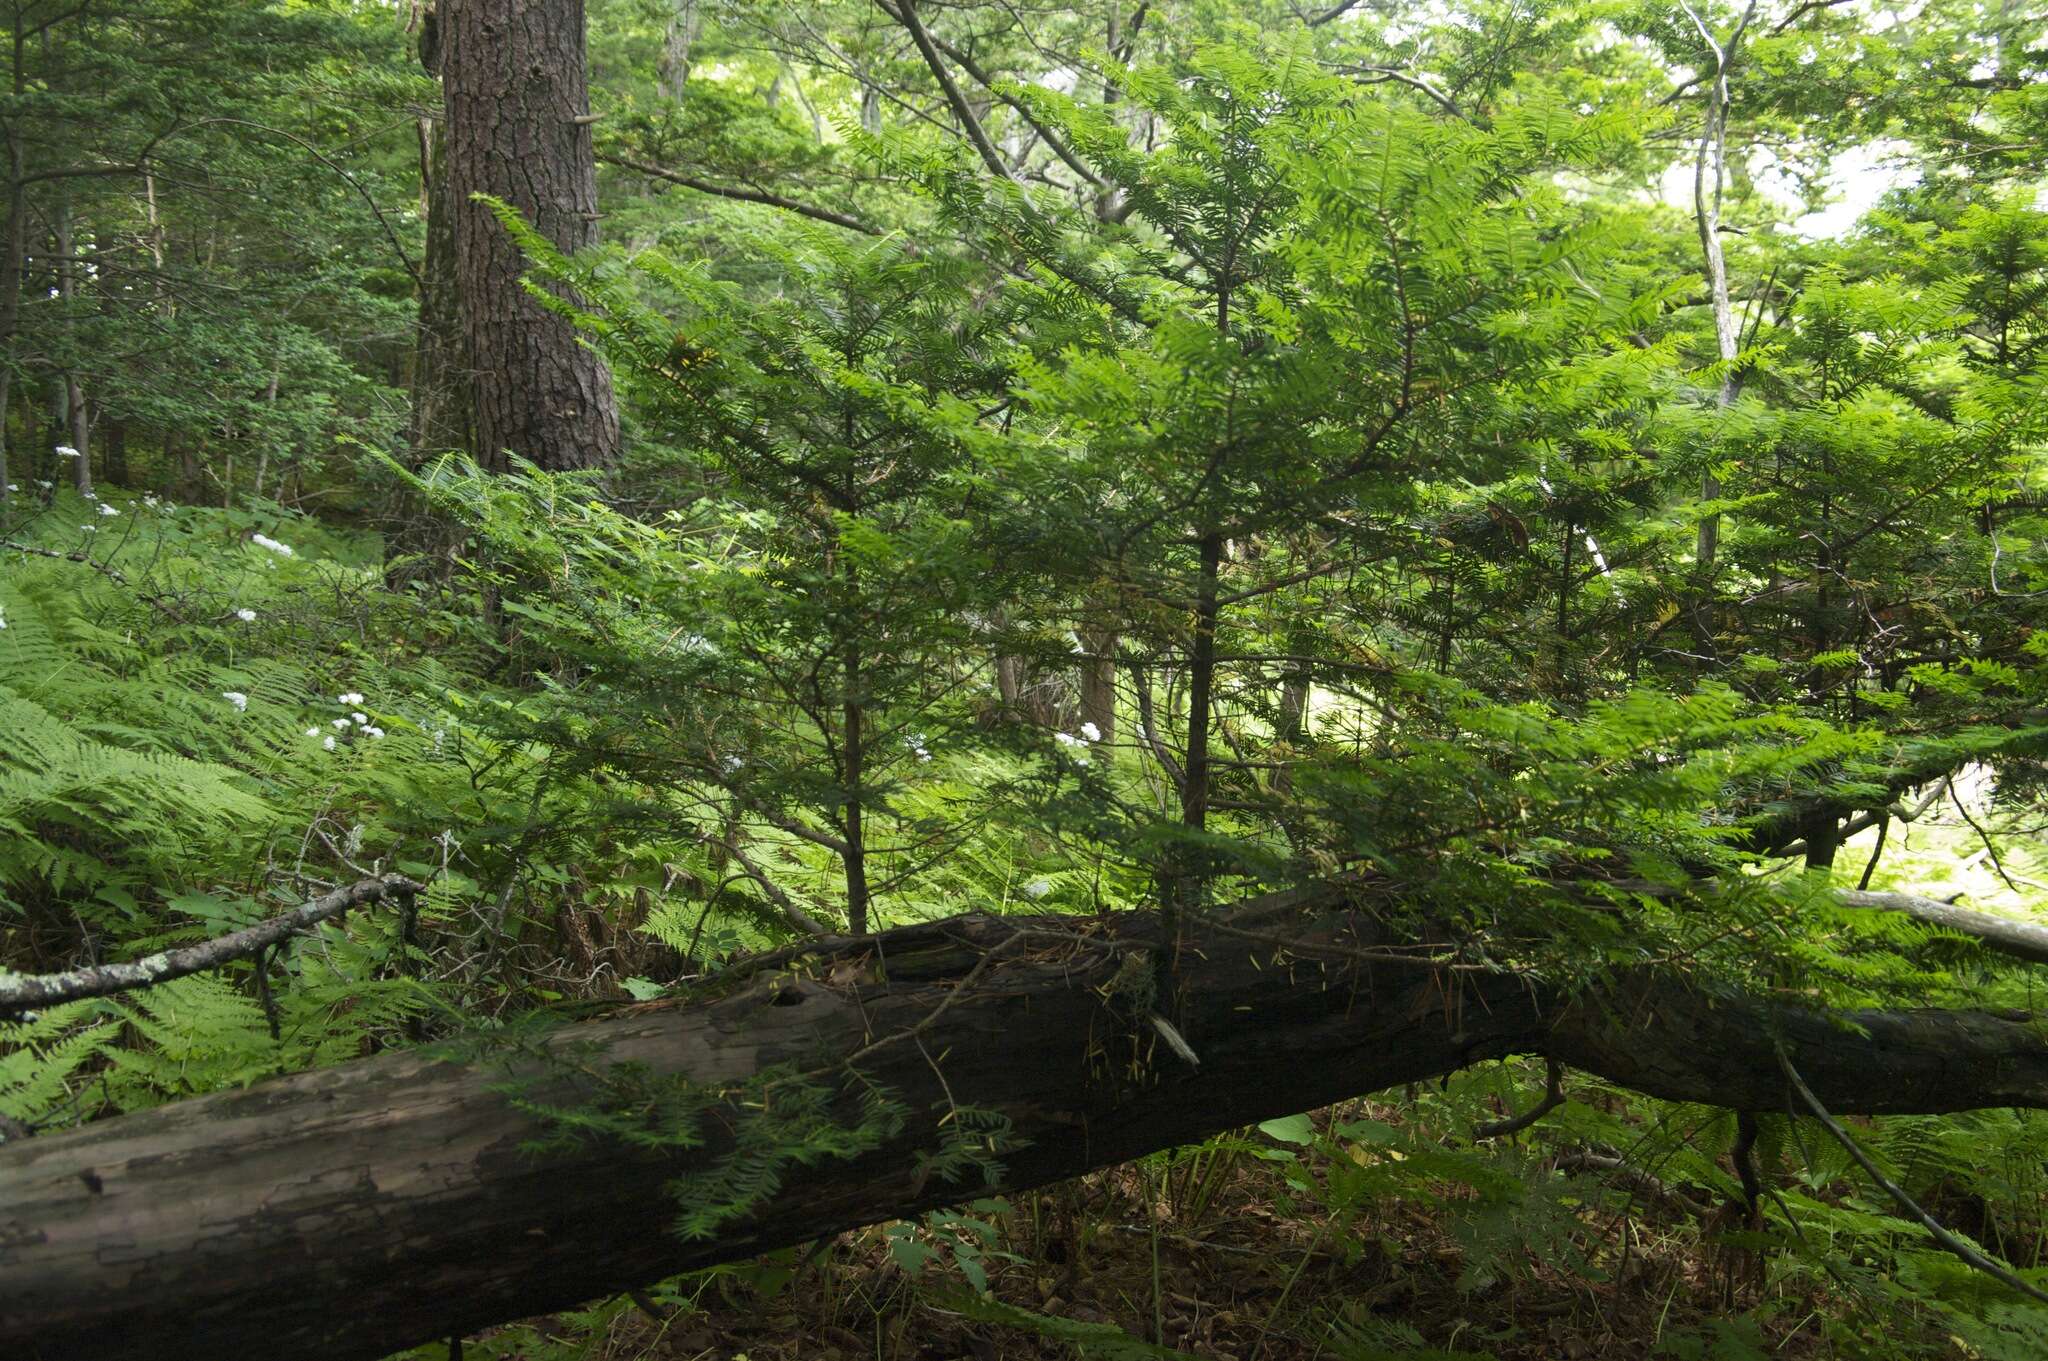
[1077,459]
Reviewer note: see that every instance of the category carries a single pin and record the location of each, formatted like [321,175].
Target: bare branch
[18,994]
[743,195]
[906,14]
[1553,1097]
[1942,1237]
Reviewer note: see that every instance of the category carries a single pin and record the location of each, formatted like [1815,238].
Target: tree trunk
[512,77]
[16,256]
[673,72]
[6,393]
[353,1211]
[1098,680]
[78,429]
[117,450]
[1710,169]
[440,389]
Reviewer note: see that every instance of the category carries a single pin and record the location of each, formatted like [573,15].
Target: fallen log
[356,1210]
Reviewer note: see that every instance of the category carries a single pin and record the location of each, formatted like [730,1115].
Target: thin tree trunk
[1709,176]
[441,371]
[673,71]
[78,427]
[853,747]
[117,449]
[15,260]
[1098,680]
[263,437]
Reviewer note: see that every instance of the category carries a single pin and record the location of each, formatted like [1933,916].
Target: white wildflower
[265,541]
[351,699]
[340,724]
[246,616]
[373,731]
[1091,732]
[328,743]
[90,529]
[362,719]
[43,483]
[312,732]
[1067,739]
[1037,889]
[236,698]
[731,764]
[14,486]
[65,451]
[3,619]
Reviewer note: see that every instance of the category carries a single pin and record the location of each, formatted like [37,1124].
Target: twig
[1639,1182]
[1884,825]
[782,902]
[906,14]
[41,990]
[741,194]
[1553,1097]
[1982,835]
[1941,1236]
[111,573]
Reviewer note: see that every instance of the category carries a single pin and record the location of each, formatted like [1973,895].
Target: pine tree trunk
[512,75]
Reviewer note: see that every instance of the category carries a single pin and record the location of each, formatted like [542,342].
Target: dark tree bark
[512,78]
[11,264]
[441,372]
[420,543]
[352,1211]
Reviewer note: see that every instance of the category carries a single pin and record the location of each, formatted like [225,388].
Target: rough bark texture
[512,77]
[356,1210]
[441,370]
[419,543]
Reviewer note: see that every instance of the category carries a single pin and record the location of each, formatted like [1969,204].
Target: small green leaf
[1289,1129]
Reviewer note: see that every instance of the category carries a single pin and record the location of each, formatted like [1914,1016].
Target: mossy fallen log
[356,1210]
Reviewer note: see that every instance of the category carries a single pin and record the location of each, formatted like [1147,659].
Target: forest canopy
[1223,678]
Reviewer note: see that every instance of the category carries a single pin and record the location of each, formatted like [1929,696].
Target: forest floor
[1238,1267]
